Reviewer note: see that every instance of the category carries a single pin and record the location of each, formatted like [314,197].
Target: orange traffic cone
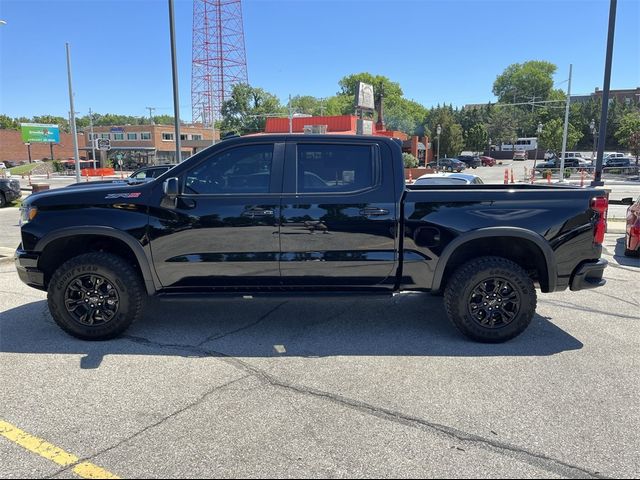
[512,180]
[410,177]
[506,176]
[548,177]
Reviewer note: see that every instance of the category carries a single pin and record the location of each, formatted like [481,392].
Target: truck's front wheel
[490,299]
[95,296]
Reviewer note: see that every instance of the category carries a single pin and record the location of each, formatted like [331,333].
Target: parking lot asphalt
[328,387]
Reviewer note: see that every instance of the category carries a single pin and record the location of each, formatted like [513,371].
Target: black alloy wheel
[91,300]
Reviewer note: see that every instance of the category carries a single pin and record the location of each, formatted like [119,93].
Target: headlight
[27,213]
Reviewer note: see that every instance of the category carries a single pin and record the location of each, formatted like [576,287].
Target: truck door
[223,229]
[339,219]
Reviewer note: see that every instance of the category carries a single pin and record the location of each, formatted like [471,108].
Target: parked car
[614,155]
[9,191]
[554,163]
[308,213]
[141,175]
[448,165]
[448,179]
[472,161]
[617,162]
[487,161]
[2,166]
[520,155]
[572,155]
[632,236]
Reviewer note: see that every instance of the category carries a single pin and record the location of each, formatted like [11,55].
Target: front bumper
[27,267]
[12,195]
[589,275]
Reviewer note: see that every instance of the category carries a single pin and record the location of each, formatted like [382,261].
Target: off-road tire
[116,274]
[460,299]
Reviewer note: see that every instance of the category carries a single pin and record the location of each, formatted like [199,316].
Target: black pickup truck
[301,213]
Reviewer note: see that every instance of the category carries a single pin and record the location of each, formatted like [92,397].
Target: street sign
[364,96]
[120,162]
[103,144]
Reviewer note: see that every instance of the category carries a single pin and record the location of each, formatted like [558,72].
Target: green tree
[349,85]
[247,109]
[477,138]
[409,160]
[522,82]
[453,140]
[339,105]
[307,104]
[552,132]
[628,133]
[501,125]
[7,122]
[62,122]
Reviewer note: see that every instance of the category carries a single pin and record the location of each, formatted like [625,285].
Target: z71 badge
[123,195]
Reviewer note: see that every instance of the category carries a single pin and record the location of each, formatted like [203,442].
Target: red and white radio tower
[218,59]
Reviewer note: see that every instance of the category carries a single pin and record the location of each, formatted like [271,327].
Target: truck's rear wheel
[95,296]
[490,299]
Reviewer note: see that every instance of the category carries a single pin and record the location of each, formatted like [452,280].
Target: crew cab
[278,214]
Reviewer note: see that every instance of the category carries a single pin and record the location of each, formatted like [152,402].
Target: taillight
[600,205]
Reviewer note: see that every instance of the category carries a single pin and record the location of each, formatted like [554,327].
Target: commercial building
[13,148]
[148,144]
[348,125]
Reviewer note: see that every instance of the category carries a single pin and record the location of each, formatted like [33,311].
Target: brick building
[12,147]
[347,125]
[149,144]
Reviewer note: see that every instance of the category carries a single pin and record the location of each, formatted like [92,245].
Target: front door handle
[372,212]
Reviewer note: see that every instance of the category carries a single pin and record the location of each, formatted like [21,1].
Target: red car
[632,237]
[487,161]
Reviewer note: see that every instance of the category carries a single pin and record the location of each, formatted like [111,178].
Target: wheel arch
[531,251]
[59,246]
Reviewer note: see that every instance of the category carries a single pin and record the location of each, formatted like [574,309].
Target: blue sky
[445,51]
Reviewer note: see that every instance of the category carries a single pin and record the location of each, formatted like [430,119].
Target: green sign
[39,132]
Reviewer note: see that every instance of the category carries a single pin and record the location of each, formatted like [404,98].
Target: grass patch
[23,169]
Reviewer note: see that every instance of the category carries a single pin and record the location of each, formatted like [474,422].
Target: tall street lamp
[438,131]
[539,132]
[594,132]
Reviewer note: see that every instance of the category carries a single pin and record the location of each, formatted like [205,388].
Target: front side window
[335,168]
[240,170]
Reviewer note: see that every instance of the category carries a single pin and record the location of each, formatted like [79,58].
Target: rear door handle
[372,212]
[258,212]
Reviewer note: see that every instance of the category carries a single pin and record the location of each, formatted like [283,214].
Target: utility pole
[151,110]
[93,139]
[566,126]
[290,116]
[73,116]
[174,68]
[597,181]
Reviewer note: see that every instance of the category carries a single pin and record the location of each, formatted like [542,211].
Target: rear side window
[335,168]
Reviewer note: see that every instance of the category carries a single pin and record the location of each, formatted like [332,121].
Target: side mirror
[170,188]
[627,201]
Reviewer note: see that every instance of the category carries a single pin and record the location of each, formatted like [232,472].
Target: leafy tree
[349,85]
[501,126]
[162,119]
[7,122]
[521,82]
[307,104]
[454,140]
[247,109]
[62,122]
[477,138]
[409,160]
[628,133]
[552,133]
[339,105]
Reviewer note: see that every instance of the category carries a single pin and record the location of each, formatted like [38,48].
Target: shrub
[409,160]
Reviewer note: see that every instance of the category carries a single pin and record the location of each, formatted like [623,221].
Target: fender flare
[152,283]
[516,232]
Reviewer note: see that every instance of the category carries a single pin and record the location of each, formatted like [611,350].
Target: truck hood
[100,194]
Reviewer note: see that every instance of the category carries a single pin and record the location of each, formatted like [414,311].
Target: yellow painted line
[51,452]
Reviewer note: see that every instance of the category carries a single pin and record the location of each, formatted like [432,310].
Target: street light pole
[174,69]
[592,127]
[438,131]
[566,126]
[597,181]
[93,139]
[73,116]
[539,132]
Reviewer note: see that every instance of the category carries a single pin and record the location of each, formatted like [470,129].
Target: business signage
[103,144]
[117,129]
[40,132]
[364,96]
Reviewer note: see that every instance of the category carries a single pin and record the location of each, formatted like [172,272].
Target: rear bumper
[589,275]
[27,267]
